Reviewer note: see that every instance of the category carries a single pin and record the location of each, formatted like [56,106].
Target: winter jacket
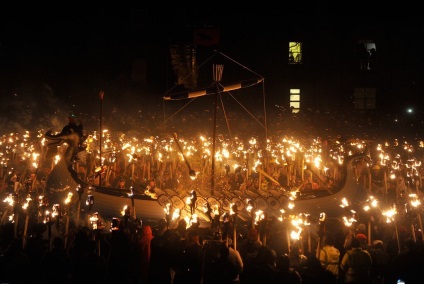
[330,259]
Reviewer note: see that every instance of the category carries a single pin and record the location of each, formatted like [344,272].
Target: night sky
[56,58]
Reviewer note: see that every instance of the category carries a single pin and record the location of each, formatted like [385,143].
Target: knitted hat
[361,237]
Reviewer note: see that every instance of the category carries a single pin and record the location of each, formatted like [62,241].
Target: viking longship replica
[207,202]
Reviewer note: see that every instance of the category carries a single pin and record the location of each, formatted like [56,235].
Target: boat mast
[101,95]
[217,76]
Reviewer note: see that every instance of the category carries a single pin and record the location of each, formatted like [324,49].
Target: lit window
[366,54]
[295,52]
[364,98]
[295,100]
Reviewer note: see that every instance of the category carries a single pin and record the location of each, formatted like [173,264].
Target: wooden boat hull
[109,202]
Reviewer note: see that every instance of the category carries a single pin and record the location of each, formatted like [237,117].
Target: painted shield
[237,192]
[164,199]
[200,203]
[261,203]
[250,204]
[238,202]
[226,204]
[273,203]
[214,203]
[171,192]
[283,201]
[177,202]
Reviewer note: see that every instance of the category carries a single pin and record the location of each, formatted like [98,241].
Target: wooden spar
[218,88]
[268,176]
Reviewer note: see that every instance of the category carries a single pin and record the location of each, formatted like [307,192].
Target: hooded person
[143,246]
[356,263]
[297,258]
[249,247]
[253,234]
[380,262]
[188,268]
[329,255]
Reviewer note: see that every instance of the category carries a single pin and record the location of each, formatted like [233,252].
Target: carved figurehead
[72,134]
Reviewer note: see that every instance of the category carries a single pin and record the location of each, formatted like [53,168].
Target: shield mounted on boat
[214,203]
[261,203]
[226,204]
[283,200]
[201,203]
[238,202]
[164,199]
[273,203]
[177,202]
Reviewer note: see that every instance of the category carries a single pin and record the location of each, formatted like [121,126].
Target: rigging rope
[217,88]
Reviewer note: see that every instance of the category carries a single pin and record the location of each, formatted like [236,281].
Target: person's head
[193,236]
[361,229]
[217,236]
[294,249]
[162,225]
[362,238]
[356,243]
[312,261]
[266,255]
[146,231]
[377,244]
[409,244]
[58,243]
[283,262]
[182,227]
[329,239]
[252,234]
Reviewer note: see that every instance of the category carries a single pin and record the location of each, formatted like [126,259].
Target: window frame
[294,100]
[364,63]
[294,55]
[365,98]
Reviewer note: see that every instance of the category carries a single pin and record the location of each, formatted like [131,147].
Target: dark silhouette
[160,261]
[313,272]
[380,263]
[408,263]
[285,273]
[373,59]
[189,260]
[58,262]
[193,199]
[363,56]
[217,265]
[356,263]
[262,269]
[15,264]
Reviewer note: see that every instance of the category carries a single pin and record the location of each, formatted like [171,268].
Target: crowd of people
[160,253]
[133,252]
